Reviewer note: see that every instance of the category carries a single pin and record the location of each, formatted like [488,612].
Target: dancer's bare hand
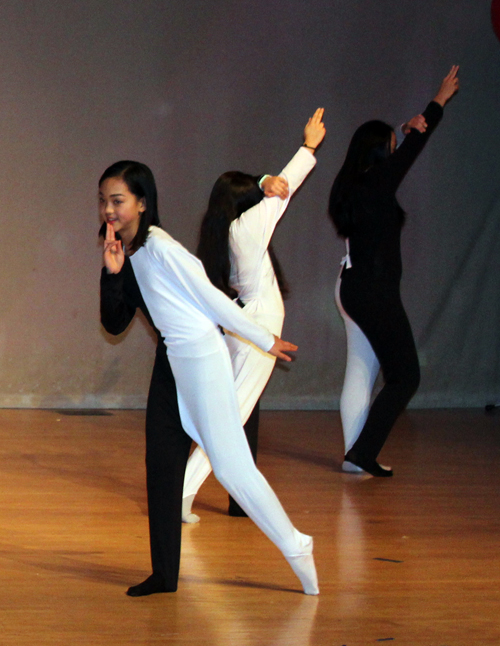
[449,87]
[417,122]
[280,347]
[275,186]
[113,251]
[315,130]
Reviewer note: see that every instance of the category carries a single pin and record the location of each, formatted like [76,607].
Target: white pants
[252,369]
[210,414]
[360,373]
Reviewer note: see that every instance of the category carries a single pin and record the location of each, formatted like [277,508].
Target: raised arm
[392,171]
[314,133]
[449,87]
[259,222]
[315,130]
[295,173]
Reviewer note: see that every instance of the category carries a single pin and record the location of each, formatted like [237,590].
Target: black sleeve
[117,310]
[392,171]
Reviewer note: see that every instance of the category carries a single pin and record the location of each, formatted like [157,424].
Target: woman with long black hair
[366,213]
[187,310]
[234,246]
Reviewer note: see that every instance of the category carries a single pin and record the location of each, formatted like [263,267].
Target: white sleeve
[400,135]
[260,221]
[190,279]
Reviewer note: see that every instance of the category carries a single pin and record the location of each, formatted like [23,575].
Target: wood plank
[413,560]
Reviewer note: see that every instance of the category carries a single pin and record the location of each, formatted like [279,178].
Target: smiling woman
[167,445]
[187,310]
[120,208]
[125,194]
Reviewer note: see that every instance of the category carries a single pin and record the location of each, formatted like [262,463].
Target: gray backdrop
[195,88]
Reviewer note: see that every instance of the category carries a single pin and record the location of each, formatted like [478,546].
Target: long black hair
[140,182]
[370,144]
[233,194]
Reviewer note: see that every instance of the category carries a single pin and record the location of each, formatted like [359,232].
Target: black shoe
[370,466]
[152,585]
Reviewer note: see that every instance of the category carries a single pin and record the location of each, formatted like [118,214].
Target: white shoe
[349,467]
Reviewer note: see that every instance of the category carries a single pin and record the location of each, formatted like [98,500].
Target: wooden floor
[413,560]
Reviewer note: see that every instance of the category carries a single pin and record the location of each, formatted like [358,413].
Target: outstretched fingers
[280,347]
[451,79]
[452,73]
[110,233]
[113,256]
[449,86]
[315,130]
[317,116]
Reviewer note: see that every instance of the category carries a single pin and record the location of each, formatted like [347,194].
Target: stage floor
[410,561]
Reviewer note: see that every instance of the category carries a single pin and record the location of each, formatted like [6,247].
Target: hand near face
[315,130]
[280,347]
[113,252]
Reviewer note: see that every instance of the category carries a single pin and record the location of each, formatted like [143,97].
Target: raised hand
[280,347]
[418,123]
[314,131]
[275,186]
[449,87]
[113,251]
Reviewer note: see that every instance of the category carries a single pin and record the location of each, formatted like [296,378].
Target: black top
[120,298]
[374,241]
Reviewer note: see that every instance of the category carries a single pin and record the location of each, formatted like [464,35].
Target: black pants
[167,452]
[377,309]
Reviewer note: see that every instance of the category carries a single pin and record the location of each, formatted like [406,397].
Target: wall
[193,89]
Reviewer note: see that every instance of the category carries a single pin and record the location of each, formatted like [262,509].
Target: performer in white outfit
[252,277]
[187,309]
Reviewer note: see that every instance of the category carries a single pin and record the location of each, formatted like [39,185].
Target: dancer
[167,444]
[187,310]
[365,211]
[235,235]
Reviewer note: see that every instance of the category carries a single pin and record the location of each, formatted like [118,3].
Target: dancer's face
[121,208]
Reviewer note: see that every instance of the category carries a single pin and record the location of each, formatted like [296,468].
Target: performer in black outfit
[365,211]
[167,445]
